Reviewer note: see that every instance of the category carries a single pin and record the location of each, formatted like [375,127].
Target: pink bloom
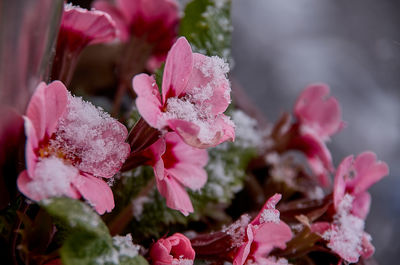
[153,21]
[319,117]
[263,234]
[354,177]
[176,166]
[70,146]
[173,250]
[79,28]
[346,234]
[195,94]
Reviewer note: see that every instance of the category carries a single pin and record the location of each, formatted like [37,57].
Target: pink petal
[148,101]
[181,247]
[268,205]
[320,227]
[314,108]
[96,192]
[188,167]
[244,250]
[210,70]
[47,105]
[32,144]
[22,182]
[368,172]
[121,23]
[361,205]
[270,235]
[130,9]
[339,187]
[91,26]
[175,195]
[177,69]
[159,252]
[367,248]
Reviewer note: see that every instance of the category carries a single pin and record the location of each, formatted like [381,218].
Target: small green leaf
[207,26]
[75,215]
[87,239]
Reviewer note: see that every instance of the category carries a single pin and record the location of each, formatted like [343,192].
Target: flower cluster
[160,179]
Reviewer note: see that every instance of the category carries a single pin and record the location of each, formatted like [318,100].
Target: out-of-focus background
[354,46]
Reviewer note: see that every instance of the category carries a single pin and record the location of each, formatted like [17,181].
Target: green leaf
[138,260]
[207,26]
[87,239]
[83,248]
[75,215]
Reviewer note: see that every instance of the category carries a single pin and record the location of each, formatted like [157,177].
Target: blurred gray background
[280,46]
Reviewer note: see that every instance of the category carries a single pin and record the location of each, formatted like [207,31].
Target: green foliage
[87,240]
[138,260]
[207,26]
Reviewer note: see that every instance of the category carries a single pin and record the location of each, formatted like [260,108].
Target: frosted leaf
[90,138]
[137,206]
[125,246]
[52,178]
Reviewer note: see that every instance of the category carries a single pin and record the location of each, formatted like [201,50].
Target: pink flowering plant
[150,162]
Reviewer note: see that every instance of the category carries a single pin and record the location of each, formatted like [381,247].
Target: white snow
[90,138]
[52,177]
[125,246]
[270,215]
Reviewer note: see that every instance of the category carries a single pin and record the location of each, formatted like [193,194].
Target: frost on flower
[345,234]
[71,145]
[264,233]
[195,94]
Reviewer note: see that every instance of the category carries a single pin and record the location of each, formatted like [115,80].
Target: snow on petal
[195,93]
[80,141]
[52,177]
[174,250]
[91,135]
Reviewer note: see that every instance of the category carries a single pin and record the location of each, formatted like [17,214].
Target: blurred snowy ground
[280,46]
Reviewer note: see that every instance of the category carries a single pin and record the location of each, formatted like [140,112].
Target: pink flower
[79,28]
[263,234]
[70,146]
[173,250]
[354,177]
[319,117]
[195,94]
[176,166]
[153,21]
[346,234]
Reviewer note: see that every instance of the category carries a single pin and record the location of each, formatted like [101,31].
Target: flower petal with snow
[354,177]
[70,146]
[264,233]
[176,166]
[195,93]
[173,250]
